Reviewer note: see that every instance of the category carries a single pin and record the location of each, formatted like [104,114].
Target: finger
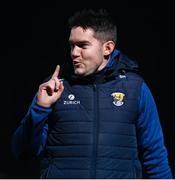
[56,72]
[61,86]
[48,86]
[49,91]
[57,83]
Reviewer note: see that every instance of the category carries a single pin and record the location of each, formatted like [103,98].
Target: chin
[79,72]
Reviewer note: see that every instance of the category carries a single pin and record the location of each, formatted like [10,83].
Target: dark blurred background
[34,40]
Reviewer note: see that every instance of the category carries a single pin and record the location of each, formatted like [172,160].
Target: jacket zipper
[95,132]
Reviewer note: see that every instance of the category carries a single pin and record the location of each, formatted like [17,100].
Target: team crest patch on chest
[118,98]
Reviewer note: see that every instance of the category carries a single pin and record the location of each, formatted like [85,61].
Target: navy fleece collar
[112,57]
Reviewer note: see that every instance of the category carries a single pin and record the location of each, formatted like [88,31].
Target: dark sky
[34,39]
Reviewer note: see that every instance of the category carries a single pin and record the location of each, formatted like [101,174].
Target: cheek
[92,58]
[91,65]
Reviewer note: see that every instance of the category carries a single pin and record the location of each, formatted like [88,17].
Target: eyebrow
[79,42]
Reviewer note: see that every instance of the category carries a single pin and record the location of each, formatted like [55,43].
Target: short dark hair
[100,21]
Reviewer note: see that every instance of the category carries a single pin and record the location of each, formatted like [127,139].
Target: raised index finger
[56,72]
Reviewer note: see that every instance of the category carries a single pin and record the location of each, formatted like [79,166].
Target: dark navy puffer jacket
[93,132]
[105,125]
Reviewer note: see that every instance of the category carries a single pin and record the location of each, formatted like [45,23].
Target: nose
[75,52]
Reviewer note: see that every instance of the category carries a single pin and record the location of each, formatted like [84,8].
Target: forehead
[80,34]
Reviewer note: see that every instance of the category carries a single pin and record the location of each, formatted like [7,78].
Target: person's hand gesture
[50,91]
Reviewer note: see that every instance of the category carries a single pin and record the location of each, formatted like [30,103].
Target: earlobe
[108,47]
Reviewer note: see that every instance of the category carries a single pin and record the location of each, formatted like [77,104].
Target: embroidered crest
[118,98]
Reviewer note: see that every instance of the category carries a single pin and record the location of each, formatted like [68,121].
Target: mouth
[76,63]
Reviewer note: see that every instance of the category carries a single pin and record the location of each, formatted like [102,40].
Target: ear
[108,47]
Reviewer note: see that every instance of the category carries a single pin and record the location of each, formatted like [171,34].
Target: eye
[83,46]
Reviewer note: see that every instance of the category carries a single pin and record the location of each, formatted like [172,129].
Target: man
[101,120]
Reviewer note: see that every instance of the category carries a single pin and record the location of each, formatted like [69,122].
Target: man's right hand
[50,91]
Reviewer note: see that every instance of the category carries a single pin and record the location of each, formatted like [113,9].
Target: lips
[76,63]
